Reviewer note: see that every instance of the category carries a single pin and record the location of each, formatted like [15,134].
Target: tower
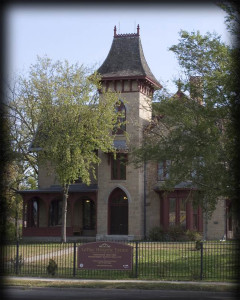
[121,187]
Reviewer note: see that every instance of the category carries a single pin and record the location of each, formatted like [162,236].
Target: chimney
[196,89]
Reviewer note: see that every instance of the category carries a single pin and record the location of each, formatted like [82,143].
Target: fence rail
[214,261]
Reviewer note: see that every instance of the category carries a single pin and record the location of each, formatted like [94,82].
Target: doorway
[118,212]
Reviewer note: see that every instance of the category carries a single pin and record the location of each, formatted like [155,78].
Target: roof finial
[138,28]
[115,31]
[179,85]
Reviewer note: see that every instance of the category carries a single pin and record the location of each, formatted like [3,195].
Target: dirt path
[49,255]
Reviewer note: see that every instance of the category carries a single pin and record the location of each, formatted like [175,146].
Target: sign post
[105,256]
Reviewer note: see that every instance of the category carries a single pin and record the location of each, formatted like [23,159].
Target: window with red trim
[177,212]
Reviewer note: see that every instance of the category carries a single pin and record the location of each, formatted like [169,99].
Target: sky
[83,33]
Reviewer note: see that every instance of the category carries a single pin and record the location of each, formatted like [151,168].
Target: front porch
[42,213]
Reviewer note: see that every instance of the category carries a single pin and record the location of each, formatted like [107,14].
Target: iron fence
[216,261]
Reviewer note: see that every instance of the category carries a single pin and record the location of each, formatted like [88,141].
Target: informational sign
[105,256]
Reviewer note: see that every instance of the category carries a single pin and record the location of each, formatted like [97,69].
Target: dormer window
[121,122]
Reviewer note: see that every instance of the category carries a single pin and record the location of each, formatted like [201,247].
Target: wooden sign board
[105,256]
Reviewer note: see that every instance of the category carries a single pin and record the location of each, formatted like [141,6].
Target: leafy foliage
[57,110]
[73,122]
[193,129]
[52,267]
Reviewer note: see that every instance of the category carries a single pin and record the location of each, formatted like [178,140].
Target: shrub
[52,267]
[173,234]
[193,235]
[157,234]
[177,233]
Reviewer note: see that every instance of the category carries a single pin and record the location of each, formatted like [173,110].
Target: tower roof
[126,60]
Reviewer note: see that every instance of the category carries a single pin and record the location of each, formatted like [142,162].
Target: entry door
[118,213]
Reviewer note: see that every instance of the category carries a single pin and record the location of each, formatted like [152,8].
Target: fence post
[136,261]
[17,258]
[201,271]
[74,259]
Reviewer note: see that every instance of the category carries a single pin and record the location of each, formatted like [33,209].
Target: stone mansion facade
[124,202]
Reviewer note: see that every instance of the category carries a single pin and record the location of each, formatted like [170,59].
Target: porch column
[189,214]
[164,211]
[200,219]
[48,200]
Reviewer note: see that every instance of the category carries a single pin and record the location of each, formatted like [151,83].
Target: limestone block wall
[152,198]
[132,186]
[46,176]
[136,117]
[216,226]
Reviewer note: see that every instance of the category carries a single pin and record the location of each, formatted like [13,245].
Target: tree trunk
[64,213]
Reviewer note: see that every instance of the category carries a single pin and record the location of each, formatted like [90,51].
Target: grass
[166,261]
[118,285]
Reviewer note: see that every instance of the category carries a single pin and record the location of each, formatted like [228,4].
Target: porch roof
[185,185]
[73,188]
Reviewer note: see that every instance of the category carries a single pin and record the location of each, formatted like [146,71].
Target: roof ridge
[126,34]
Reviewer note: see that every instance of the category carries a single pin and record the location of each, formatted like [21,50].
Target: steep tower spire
[126,61]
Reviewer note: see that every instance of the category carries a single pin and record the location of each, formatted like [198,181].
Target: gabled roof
[126,60]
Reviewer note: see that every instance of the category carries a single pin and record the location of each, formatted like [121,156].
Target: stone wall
[216,227]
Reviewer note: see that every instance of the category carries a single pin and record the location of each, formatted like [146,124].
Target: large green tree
[68,123]
[193,129]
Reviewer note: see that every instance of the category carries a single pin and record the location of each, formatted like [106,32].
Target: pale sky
[84,34]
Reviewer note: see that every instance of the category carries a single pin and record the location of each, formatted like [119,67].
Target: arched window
[34,213]
[55,213]
[120,128]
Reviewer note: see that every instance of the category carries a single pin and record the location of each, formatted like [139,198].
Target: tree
[193,129]
[21,167]
[232,22]
[69,121]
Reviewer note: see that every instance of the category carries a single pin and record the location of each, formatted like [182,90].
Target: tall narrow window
[118,166]
[172,211]
[88,214]
[182,212]
[163,170]
[195,218]
[177,212]
[55,213]
[34,213]
[120,127]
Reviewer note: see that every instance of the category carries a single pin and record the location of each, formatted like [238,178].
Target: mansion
[123,202]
